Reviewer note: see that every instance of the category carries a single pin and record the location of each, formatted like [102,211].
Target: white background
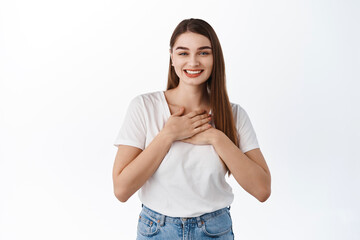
[69,69]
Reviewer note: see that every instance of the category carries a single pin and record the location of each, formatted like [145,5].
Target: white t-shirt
[190,180]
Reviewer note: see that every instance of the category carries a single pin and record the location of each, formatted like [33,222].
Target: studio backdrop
[69,69]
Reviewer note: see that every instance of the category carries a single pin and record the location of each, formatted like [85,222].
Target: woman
[176,153]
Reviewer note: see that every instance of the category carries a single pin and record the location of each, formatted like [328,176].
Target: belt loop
[199,221]
[162,220]
[229,207]
[142,205]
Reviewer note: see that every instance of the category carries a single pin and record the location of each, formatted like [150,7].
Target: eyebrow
[185,48]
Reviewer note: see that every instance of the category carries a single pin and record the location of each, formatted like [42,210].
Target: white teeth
[193,72]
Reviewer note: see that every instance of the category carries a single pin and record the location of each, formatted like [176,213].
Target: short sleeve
[246,133]
[133,129]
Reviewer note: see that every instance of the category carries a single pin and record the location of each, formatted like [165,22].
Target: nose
[193,62]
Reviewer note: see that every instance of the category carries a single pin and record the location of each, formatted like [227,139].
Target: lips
[193,73]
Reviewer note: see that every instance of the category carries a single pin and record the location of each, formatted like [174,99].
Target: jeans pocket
[218,225]
[147,226]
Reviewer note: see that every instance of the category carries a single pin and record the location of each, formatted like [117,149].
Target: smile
[193,73]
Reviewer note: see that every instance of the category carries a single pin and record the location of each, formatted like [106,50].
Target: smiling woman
[192,61]
[176,146]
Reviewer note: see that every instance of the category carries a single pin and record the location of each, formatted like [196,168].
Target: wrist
[216,136]
[166,136]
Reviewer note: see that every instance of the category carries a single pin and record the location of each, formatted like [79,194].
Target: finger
[195,113]
[202,128]
[200,117]
[201,122]
[179,112]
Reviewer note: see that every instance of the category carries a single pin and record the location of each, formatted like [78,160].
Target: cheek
[178,64]
[178,68]
[178,71]
[209,63]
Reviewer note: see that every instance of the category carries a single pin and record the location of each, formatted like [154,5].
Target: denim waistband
[160,218]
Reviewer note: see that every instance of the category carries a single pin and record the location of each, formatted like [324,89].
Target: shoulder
[146,98]
[237,109]
[146,101]
[240,115]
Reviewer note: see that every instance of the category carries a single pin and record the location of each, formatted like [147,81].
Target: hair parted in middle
[222,113]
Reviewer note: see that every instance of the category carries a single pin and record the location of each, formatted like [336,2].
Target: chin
[194,82]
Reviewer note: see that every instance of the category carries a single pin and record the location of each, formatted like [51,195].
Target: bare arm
[250,169]
[133,167]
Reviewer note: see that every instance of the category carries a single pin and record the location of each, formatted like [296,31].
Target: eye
[204,53]
[183,54]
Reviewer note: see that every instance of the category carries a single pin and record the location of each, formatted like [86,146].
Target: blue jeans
[214,225]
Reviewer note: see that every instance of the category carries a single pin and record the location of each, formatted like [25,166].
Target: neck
[192,97]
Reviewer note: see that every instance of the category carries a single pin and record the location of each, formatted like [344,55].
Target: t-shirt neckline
[166,105]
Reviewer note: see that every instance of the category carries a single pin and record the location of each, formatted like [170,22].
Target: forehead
[192,40]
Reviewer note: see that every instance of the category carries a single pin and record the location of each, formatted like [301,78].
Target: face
[192,58]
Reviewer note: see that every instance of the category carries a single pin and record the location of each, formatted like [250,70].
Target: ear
[171,57]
